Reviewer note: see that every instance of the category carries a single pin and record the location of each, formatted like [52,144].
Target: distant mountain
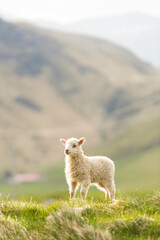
[55,85]
[47,24]
[137,32]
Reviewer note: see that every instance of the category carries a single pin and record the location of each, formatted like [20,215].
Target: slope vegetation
[56,85]
[136,153]
[134,216]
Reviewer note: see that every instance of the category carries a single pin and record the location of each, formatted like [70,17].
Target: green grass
[136,215]
[136,152]
[37,191]
[139,171]
[142,135]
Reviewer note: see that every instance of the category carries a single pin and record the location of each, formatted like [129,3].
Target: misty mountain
[137,32]
[55,85]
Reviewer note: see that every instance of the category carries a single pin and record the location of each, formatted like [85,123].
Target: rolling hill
[136,152]
[55,85]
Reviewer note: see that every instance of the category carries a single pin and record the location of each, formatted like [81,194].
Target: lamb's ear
[81,140]
[63,141]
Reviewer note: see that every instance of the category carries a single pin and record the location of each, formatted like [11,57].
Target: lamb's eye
[74,145]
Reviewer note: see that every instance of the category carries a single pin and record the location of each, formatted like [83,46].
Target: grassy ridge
[138,137]
[135,151]
[141,170]
[135,216]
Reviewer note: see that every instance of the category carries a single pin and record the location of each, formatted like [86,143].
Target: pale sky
[66,11]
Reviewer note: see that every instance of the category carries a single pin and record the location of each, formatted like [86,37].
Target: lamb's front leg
[84,189]
[73,189]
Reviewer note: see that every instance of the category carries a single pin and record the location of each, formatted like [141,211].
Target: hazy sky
[65,11]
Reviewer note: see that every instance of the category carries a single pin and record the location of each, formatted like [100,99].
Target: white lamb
[84,170]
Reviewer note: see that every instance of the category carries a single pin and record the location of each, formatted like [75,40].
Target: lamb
[80,169]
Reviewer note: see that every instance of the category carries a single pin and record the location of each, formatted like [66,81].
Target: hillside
[134,216]
[136,153]
[55,85]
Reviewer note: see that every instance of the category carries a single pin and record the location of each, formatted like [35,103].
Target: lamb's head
[73,145]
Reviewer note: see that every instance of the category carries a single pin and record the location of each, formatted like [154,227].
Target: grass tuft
[135,227]
[136,215]
[70,225]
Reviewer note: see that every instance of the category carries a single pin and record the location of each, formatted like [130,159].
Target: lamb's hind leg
[107,194]
[109,188]
[112,190]
[104,188]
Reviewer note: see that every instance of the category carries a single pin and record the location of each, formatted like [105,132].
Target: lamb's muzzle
[67,151]
[80,169]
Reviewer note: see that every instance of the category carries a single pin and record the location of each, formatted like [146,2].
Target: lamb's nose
[66,151]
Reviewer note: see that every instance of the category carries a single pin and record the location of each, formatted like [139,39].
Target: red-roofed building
[27,177]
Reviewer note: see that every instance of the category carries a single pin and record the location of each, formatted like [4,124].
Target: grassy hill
[55,85]
[134,216]
[135,151]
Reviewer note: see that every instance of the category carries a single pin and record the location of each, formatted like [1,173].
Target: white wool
[80,169]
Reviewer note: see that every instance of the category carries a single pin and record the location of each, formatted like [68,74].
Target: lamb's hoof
[83,200]
[114,202]
[71,199]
